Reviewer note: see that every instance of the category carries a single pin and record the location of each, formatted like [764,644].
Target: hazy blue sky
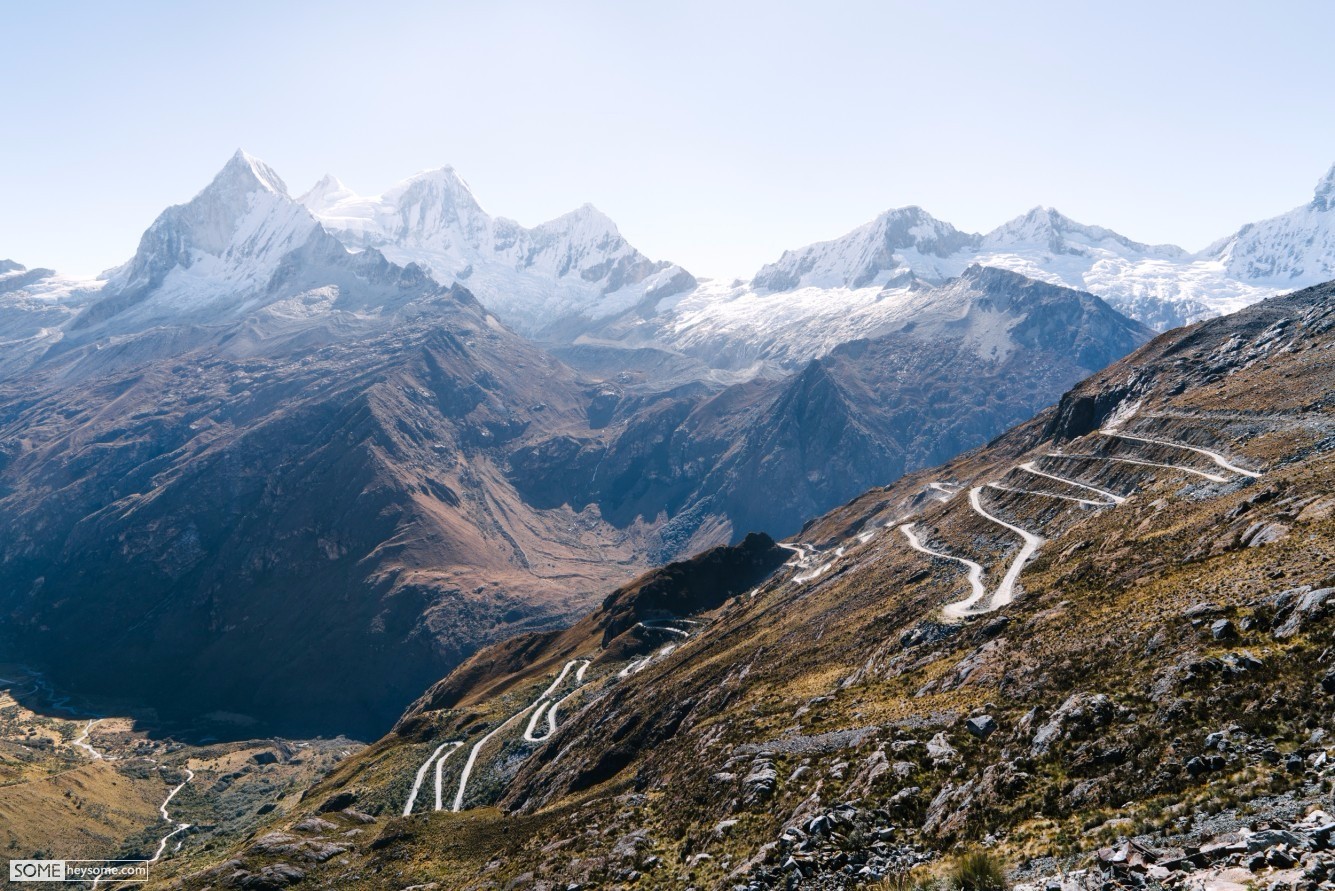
[716,134]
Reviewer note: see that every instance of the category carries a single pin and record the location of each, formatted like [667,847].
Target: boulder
[338,802]
[357,816]
[982,726]
[314,825]
[277,875]
[1270,838]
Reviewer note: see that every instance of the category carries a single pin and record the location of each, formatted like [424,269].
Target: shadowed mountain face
[258,455]
[1147,635]
[313,533]
[320,518]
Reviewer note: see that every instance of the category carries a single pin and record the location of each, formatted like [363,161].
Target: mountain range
[258,450]
[433,219]
[577,264]
[576,281]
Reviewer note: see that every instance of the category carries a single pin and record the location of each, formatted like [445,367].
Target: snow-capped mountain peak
[434,198]
[246,172]
[1293,249]
[585,234]
[899,241]
[326,193]
[223,244]
[585,219]
[577,265]
[433,210]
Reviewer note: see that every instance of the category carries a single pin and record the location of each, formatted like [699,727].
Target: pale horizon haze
[716,134]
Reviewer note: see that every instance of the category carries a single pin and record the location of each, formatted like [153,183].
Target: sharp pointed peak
[1044,213]
[329,181]
[246,171]
[444,174]
[1040,218]
[913,211]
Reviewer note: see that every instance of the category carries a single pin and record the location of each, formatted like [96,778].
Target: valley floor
[80,786]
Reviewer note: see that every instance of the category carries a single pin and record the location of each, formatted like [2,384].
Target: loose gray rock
[940,751]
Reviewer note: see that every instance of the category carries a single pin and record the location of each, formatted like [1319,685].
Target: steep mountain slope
[240,254]
[1111,621]
[577,265]
[315,531]
[965,362]
[256,453]
[241,268]
[908,240]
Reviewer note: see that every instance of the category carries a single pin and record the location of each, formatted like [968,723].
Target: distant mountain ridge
[576,264]
[577,280]
[597,285]
[1162,285]
[965,361]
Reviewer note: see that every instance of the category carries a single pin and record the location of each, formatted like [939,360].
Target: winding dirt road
[81,742]
[1000,488]
[1213,477]
[162,809]
[540,703]
[964,607]
[1005,592]
[1213,456]
[421,775]
[1032,467]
